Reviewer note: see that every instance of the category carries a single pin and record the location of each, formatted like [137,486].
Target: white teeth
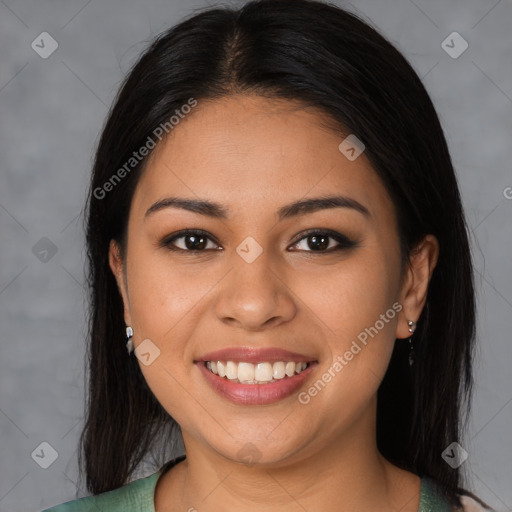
[245,372]
[290,369]
[231,370]
[263,372]
[278,370]
[260,373]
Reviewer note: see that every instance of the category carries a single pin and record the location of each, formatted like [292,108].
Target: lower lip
[256,394]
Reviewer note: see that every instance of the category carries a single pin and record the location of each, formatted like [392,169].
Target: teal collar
[431,499]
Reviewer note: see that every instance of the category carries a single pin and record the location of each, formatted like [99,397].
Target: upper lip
[254,355]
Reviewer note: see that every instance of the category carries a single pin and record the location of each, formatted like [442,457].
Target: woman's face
[255,285]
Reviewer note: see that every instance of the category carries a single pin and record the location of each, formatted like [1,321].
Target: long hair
[322,56]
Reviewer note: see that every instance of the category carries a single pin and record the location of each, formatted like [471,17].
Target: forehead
[252,153]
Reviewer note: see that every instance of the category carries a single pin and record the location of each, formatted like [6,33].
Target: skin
[255,155]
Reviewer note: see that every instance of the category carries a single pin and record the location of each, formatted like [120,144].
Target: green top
[138,496]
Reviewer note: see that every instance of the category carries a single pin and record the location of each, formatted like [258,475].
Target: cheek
[350,296]
[357,306]
[164,306]
[163,295]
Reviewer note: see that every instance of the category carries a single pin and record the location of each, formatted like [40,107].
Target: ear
[117,266]
[413,293]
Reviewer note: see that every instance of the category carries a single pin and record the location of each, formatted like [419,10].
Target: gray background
[51,113]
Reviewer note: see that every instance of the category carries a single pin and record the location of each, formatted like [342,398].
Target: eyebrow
[218,211]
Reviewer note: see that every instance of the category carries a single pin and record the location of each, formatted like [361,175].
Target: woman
[275,223]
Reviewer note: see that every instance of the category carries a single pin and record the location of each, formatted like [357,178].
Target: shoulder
[470,505]
[137,495]
[432,499]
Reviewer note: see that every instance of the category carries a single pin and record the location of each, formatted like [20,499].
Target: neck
[347,474]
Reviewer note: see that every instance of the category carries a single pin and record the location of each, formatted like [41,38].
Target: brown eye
[321,241]
[193,241]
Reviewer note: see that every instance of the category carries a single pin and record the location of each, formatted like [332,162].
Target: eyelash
[343,241]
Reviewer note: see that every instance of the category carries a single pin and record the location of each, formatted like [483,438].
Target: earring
[412,328]
[129,343]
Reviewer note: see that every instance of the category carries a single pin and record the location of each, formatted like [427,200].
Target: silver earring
[129,343]
[412,328]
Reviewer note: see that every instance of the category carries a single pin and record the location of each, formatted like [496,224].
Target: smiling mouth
[259,373]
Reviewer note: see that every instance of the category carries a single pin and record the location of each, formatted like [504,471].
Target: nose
[253,296]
